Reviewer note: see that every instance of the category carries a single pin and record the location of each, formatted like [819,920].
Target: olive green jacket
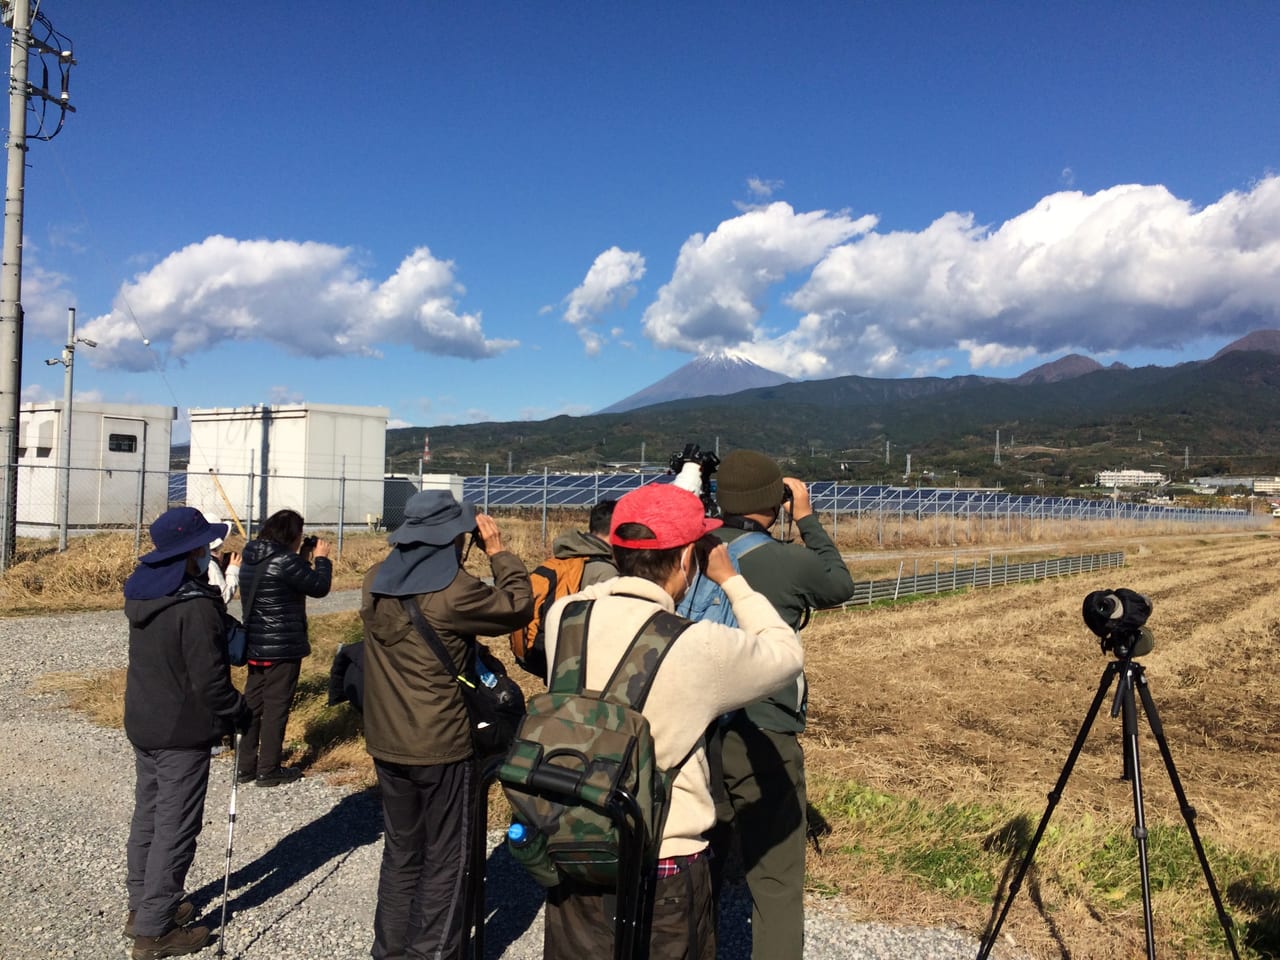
[795,577]
[413,712]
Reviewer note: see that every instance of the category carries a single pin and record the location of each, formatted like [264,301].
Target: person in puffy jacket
[178,702]
[275,581]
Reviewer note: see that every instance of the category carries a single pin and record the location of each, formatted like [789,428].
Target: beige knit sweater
[710,670]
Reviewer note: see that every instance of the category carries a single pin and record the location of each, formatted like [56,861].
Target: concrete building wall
[325,461]
[118,451]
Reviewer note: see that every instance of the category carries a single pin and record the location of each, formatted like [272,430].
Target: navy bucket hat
[175,533]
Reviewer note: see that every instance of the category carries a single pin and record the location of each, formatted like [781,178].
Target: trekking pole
[231,832]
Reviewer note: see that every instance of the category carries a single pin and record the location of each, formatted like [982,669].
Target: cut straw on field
[937,727]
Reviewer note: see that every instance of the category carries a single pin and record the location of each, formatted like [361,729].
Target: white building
[323,460]
[1130,478]
[1256,484]
[118,468]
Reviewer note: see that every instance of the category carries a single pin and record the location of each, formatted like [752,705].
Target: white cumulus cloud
[609,283]
[310,298]
[1128,267]
[716,293]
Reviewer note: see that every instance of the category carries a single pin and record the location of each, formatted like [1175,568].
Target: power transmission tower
[997,448]
[24,97]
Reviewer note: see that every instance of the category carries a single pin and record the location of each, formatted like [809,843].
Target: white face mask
[691,577]
[202,563]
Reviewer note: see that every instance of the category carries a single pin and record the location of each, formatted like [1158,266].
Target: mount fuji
[710,375]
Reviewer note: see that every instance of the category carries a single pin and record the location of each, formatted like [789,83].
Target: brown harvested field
[976,700]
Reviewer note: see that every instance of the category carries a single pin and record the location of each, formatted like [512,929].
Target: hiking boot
[277,776]
[184,914]
[249,777]
[175,943]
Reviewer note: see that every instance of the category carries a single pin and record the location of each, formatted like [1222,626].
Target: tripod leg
[989,942]
[1134,771]
[1188,811]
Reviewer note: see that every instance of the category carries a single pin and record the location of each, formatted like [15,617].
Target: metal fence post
[544,507]
[486,488]
[248,499]
[342,504]
[142,502]
[835,510]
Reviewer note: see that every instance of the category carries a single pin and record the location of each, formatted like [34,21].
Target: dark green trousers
[761,800]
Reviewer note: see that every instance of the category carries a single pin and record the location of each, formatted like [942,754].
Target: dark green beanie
[748,482]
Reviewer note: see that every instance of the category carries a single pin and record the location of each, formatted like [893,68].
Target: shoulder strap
[633,676]
[635,672]
[739,547]
[569,671]
[424,630]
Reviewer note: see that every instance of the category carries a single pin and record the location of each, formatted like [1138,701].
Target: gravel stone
[306,855]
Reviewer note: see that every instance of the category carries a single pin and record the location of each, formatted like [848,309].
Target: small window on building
[122,443]
[43,451]
[22,452]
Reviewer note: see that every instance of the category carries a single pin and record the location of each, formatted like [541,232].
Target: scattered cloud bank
[610,283]
[1127,267]
[809,294]
[309,298]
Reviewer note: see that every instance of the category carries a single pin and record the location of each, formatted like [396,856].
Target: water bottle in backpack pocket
[528,847]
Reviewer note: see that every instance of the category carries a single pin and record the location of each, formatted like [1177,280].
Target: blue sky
[510,211]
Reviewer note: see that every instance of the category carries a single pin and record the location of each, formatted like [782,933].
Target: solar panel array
[582,490]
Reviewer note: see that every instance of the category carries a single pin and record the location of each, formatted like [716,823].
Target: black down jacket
[274,585]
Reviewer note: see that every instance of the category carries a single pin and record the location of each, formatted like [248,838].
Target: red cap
[674,515]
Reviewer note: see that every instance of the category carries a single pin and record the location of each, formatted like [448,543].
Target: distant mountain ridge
[1264,341]
[1064,420]
[725,372]
[1064,368]
[713,374]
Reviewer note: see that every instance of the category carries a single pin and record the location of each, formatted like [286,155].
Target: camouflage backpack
[577,750]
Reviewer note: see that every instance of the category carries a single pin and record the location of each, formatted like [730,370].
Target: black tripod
[1131,675]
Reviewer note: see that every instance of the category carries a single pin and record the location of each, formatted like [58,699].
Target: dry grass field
[938,726]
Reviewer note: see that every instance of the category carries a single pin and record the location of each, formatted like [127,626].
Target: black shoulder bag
[238,632]
[495,711]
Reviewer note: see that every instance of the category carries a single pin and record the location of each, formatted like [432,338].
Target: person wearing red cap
[709,669]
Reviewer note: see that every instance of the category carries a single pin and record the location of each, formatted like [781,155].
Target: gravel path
[306,855]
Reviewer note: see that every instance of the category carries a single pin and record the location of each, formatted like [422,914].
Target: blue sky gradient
[512,211]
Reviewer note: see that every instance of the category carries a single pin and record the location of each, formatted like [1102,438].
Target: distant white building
[323,460]
[1223,482]
[118,468]
[1130,478]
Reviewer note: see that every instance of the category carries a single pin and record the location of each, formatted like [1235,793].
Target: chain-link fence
[118,499]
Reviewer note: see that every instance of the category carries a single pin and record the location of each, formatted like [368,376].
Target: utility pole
[67,359]
[16,15]
[997,448]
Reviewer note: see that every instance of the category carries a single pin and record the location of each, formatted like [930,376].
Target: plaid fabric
[670,866]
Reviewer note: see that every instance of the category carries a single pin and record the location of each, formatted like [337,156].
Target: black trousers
[168,811]
[269,692]
[426,811]
[580,919]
